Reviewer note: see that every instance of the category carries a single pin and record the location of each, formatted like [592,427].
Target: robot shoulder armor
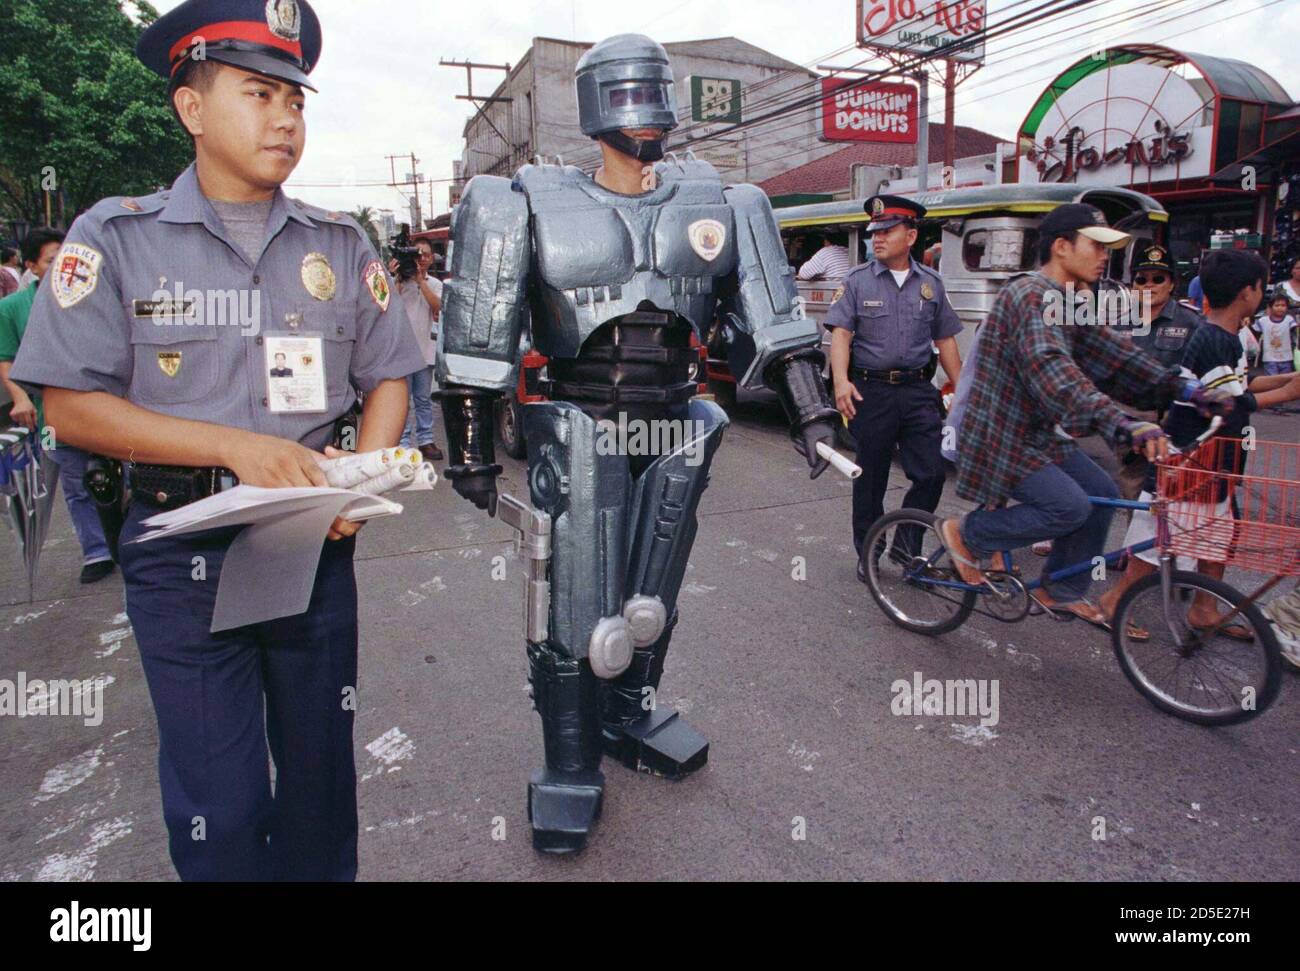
[489,198]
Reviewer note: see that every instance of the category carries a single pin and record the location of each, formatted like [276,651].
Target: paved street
[790,679]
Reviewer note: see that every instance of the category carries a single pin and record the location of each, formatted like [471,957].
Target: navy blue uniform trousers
[221,698]
[911,417]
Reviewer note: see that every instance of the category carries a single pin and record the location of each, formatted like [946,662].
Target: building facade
[719,82]
[1205,136]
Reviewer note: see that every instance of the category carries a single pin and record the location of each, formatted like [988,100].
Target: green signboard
[715,100]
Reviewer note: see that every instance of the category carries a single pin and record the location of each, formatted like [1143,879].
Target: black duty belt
[169,487]
[888,377]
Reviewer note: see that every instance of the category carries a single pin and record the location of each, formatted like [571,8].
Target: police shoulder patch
[376,281]
[75,274]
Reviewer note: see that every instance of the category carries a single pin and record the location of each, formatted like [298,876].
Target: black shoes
[431,453]
[94,572]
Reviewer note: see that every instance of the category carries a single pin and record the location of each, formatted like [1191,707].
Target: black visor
[641,94]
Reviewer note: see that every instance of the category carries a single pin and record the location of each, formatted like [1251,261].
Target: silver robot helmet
[626,81]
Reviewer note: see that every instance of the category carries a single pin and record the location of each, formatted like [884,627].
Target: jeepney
[987,234]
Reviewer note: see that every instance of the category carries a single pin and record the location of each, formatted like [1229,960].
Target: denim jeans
[1053,504]
[85,519]
[419,417]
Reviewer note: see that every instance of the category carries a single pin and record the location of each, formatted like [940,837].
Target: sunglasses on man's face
[1156,281]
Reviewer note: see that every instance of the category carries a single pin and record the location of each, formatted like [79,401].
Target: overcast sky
[383,93]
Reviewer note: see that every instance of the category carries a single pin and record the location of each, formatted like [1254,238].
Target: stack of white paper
[270,567]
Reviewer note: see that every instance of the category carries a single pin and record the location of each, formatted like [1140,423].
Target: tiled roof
[830,173]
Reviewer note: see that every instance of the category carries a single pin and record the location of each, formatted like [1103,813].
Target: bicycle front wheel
[1210,680]
[906,564]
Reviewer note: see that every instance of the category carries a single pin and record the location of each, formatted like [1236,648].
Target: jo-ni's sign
[948,28]
[1119,123]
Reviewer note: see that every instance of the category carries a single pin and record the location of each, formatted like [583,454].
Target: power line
[909,64]
[1040,80]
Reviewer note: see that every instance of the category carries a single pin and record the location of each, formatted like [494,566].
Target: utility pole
[479,100]
[923,132]
[949,116]
[414,181]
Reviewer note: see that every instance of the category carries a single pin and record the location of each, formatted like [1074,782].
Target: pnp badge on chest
[318,277]
[707,236]
[927,292]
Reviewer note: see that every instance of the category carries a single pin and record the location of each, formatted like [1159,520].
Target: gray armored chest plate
[598,255]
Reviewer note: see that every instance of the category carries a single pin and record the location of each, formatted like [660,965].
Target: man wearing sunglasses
[1167,327]
[1171,324]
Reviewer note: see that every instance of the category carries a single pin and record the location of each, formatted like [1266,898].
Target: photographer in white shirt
[422,297]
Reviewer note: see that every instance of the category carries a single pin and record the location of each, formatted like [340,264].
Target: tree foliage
[366,216]
[79,111]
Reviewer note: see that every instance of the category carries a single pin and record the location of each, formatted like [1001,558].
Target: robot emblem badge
[708,236]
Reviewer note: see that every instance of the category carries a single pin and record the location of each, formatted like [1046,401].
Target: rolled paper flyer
[352,471]
[841,464]
[397,477]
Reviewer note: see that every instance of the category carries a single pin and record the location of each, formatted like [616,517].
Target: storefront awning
[1266,162]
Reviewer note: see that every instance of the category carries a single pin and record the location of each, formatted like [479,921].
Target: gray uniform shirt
[153,300]
[893,327]
[1169,334]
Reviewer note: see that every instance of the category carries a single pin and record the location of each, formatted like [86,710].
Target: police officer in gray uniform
[892,313]
[1172,324]
[155,343]
[1164,336]
[618,272]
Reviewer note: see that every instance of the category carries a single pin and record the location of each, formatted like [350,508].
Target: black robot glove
[471,451]
[797,378]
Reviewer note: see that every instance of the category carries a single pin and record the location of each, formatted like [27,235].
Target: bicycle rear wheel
[1208,680]
[902,553]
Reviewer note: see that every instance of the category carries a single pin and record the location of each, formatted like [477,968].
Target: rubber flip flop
[1038,609]
[960,561]
[1234,632]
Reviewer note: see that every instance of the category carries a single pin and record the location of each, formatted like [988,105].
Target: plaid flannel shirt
[1032,376]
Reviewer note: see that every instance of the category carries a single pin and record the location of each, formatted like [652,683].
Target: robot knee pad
[610,650]
[647,617]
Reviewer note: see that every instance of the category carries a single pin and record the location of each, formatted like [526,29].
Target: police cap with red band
[279,39]
[888,211]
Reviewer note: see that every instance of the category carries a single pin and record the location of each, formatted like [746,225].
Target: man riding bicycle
[1042,362]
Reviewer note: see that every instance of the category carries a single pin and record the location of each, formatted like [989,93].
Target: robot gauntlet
[797,378]
[471,450]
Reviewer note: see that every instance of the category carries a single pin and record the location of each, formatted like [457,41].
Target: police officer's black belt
[169,487]
[888,377]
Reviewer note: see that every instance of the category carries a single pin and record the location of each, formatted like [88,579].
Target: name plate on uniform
[295,374]
[165,309]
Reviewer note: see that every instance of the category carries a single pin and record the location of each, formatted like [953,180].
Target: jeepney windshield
[1013,250]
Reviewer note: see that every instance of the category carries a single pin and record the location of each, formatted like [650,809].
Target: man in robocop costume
[614,283]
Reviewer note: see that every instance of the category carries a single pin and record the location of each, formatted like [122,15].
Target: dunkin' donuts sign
[878,112]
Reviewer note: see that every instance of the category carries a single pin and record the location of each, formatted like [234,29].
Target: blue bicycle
[1199,674]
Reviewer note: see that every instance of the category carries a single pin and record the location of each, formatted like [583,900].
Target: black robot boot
[641,733]
[564,799]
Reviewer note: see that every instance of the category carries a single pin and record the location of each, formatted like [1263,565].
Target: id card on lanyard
[295,369]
